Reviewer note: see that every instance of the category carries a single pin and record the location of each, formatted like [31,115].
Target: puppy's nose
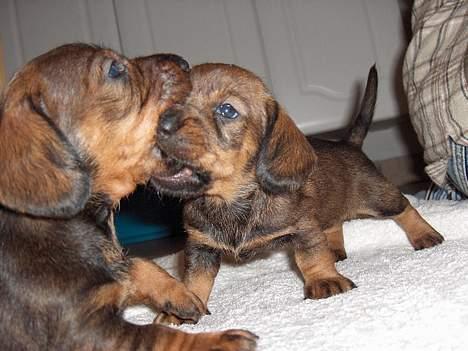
[184,65]
[168,123]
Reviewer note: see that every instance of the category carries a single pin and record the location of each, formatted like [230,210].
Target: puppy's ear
[286,158]
[41,173]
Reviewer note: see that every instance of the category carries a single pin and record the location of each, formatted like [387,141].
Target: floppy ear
[41,173]
[286,158]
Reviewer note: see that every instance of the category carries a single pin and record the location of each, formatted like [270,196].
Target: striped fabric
[457,171]
[458,166]
[436,193]
[435,80]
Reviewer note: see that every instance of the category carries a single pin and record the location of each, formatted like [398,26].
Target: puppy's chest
[243,226]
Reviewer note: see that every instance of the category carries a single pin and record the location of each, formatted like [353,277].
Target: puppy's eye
[226,111]
[116,70]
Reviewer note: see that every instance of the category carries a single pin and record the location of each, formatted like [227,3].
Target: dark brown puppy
[77,133]
[254,181]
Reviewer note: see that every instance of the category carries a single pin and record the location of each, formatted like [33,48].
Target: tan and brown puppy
[254,182]
[77,133]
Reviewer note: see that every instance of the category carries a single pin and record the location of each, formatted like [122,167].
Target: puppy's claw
[326,287]
[340,255]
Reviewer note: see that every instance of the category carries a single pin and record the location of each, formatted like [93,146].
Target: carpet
[405,300]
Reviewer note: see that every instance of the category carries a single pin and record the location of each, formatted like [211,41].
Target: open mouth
[180,178]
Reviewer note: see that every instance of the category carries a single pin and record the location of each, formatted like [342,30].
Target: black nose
[168,123]
[177,59]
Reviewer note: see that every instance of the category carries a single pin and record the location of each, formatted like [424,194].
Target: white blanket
[405,300]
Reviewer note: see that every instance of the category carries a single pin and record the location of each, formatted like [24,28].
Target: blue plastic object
[132,229]
[144,217]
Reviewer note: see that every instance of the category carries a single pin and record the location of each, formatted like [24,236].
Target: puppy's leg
[171,296]
[317,265]
[148,284]
[420,233]
[387,201]
[105,330]
[336,242]
[152,285]
[201,267]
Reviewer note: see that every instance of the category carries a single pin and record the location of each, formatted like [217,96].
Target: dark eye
[227,111]
[116,69]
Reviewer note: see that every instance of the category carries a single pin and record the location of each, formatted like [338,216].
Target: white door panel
[318,51]
[201,31]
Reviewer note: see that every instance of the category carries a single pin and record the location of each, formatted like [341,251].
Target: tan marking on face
[219,163]
[123,154]
[228,169]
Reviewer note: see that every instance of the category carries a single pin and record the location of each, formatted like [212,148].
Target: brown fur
[74,139]
[254,182]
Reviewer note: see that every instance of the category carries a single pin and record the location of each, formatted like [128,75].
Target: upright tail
[358,129]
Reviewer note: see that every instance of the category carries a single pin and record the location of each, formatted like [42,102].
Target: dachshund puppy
[254,182]
[77,133]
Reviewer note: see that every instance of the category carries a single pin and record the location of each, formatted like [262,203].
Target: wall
[396,139]
[95,21]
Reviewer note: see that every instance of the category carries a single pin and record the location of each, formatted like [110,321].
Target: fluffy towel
[405,300]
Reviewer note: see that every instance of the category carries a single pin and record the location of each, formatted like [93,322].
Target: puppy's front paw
[229,340]
[325,287]
[427,240]
[180,303]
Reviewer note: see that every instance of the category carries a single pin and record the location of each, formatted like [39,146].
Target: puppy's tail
[358,129]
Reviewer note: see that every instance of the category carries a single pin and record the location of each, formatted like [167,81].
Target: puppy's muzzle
[181,177]
[168,124]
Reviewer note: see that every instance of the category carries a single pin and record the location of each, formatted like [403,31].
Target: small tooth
[184,172]
[187,171]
